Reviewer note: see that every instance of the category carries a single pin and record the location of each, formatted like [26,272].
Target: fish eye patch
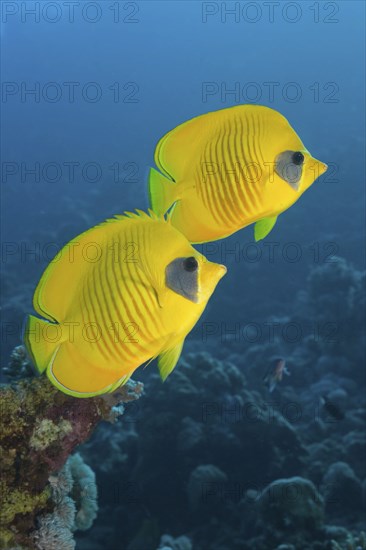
[288,165]
[181,276]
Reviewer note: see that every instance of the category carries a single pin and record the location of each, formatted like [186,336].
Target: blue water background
[162,55]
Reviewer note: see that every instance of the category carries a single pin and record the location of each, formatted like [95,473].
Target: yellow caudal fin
[162,192]
[41,339]
[168,359]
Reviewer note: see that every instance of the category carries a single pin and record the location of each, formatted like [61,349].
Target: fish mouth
[215,273]
[322,167]
[313,169]
[222,270]
[318,167]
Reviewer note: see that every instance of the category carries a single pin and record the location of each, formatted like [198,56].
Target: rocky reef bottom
[198,463]
[47,493]
[206,462]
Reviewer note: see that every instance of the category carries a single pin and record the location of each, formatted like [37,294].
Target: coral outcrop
[292,504]
[39,429]
[74,494]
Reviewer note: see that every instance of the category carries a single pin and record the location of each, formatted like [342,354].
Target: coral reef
[292,504]
[19,366]
[205,411]
[74,494]
[352,542]
[52,534]
[203,483]
[201,455]
[342,490]
[84,493]
[40,427]
[180,543]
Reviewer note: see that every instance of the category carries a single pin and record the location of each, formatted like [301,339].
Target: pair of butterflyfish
[131,289]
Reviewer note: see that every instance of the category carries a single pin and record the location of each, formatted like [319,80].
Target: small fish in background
[224,170]
[275,373]
[331,408]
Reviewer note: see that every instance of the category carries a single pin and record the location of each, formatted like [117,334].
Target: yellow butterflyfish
[124,292]
[224,170]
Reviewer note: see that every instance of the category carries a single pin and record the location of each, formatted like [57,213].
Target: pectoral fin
[168,359]
[263,227]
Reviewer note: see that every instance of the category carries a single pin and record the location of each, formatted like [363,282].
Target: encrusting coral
[44,499]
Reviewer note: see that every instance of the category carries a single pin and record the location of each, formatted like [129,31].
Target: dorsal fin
[64,274]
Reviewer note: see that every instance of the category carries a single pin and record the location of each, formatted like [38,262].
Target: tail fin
[41,342]
[162,192]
